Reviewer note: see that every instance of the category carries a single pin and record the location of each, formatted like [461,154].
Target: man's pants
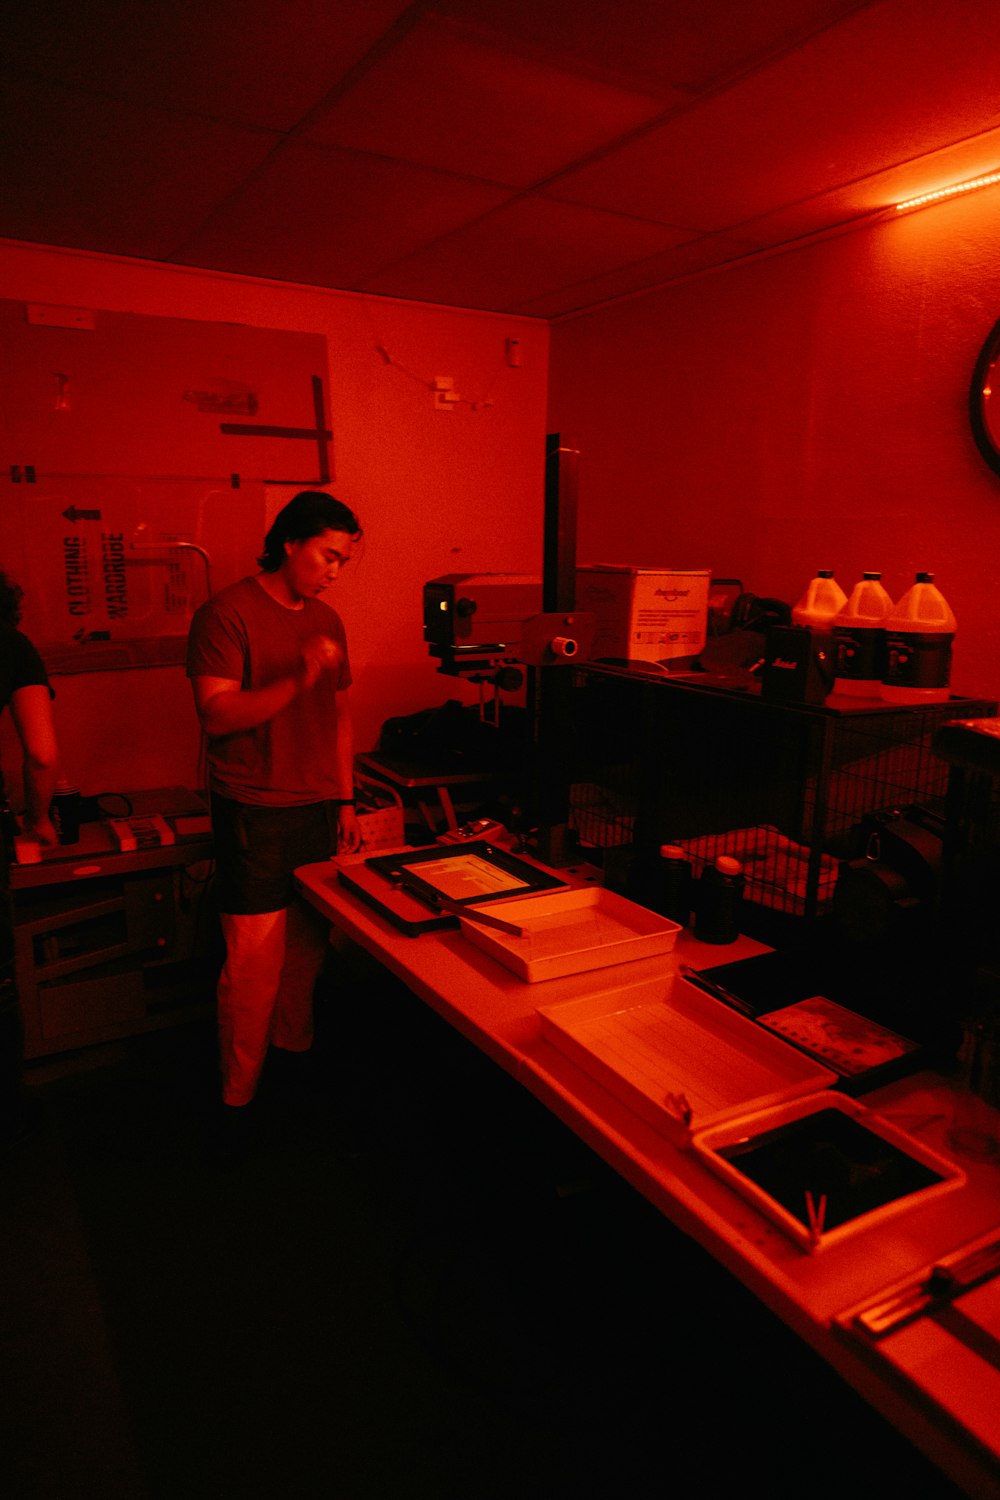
[265,993]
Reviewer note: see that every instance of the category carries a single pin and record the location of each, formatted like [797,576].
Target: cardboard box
[644,614]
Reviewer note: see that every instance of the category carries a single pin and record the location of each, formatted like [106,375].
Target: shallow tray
[570,931]
[823,1167]
[664,1048]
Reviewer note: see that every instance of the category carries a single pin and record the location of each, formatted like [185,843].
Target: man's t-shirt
[248,637]
[20,666]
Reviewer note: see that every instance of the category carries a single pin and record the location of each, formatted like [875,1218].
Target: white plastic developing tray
[665,1048]
[568,932]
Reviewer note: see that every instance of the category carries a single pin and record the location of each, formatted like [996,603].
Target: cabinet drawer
[150,914]
[73,1012]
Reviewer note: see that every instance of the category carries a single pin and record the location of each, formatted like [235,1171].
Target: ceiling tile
[681,47]
[251,62]
[441,100]
[655,270]
[97,175]
[829,114]
[878,193]
[928,174]
[528,246]
[327,217]
[394,144]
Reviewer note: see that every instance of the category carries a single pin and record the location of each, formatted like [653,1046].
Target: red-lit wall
[437,492]
[807,410]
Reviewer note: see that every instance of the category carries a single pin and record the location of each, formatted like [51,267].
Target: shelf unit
[783,787]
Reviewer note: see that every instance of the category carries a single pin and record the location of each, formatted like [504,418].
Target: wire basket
[783,788]
[380,813]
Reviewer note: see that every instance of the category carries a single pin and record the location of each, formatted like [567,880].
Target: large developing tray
[663,1047]
[571,931]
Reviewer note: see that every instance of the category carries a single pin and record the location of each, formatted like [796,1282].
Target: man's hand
[349,831]
[319,654]
[41,831]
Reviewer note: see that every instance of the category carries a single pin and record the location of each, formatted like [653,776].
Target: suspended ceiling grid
[526,156]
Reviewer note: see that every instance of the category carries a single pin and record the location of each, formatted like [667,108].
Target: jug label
[861,654]
[917,660]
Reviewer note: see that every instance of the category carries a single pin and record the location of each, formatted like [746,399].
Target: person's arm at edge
[31,710]
[349,827]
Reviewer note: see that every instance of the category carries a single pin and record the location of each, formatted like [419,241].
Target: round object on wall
[984,399]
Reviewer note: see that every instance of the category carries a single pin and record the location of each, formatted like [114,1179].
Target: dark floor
[418,1286]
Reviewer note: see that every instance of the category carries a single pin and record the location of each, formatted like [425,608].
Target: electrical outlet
[445,394]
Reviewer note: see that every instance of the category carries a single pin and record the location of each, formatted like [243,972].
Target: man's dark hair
[309,513]
[11,594]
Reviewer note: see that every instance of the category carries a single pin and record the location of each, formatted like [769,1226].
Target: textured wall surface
[806,410]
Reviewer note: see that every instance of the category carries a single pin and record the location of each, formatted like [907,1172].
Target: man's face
[312,565]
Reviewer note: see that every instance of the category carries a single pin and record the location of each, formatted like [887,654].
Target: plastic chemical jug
[859,639]
[822,600]
[919,632]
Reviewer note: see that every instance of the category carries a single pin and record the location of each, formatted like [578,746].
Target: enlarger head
[478,621]
[474,620]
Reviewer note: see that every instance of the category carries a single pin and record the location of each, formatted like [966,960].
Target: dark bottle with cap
[718,901]
[673,895]
[9,827]
[65,811]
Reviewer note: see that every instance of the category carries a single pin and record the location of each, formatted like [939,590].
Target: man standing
[269,670]
[24,688]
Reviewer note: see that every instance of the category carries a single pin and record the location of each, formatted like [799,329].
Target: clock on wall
[984,399]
